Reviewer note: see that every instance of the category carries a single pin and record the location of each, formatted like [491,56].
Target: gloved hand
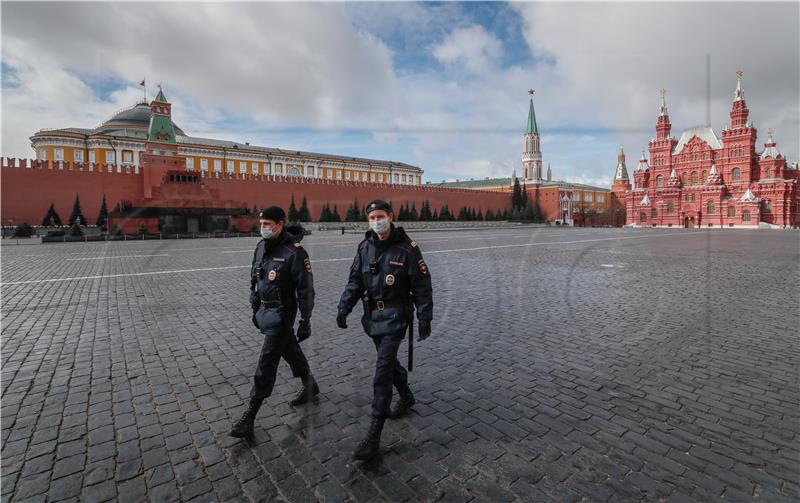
[303,330]
[255,322]
[341,320]
[255,302]
[424,329]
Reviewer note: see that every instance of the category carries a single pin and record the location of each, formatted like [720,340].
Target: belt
[271,303]
[381,305]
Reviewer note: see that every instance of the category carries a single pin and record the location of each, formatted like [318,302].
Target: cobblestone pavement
[565,365]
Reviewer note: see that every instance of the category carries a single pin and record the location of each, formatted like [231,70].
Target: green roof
[161,129]
[160,96]
[507,182]
[532,120]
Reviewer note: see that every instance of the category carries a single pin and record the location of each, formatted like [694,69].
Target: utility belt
[380,305]
[273,301]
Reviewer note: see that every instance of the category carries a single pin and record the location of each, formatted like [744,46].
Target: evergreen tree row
[53,218]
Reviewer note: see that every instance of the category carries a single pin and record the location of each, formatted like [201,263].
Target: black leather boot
[371,445]
[403,404]
[244,426]
[310,389]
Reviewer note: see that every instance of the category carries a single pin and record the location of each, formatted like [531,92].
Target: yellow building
[120,140]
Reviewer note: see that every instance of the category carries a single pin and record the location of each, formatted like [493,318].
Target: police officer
[389,275]
[280,283]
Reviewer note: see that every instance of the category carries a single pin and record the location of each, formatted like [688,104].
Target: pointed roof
[622,172]
[713,176]
[738,95]
[770,150]
[663,109]
[643,166]
[748,196]
[160,96]
[532,128]
[645,201]
[674,180]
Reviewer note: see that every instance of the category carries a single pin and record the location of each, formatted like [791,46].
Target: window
[694,177]
[242,167]
[91,156]
[204,165]
[660,181]
[670,208]
[683,179]
[127,157]
[190,163]
[363,176]
[330,174]
[42,154]
[691,198]
[703,175]
[767,206]
[347,174]
[767,172]
[731,211]
[293,171]
[576,197]
[77,155]
[380,177]
[217,165]
[736,174]
[653,213]
[278,168]
[58,154]
[601,198]
[396,178]
[745,216]
[372,177]
[229,166]
[338,174]
[110,156]
[403,179]
[642,217]
[310,171]
[587,197]
[710,207]
[686,197]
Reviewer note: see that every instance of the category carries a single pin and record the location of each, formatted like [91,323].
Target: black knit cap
[274,213]
[378,204]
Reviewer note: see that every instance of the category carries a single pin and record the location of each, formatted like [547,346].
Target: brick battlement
[14,163]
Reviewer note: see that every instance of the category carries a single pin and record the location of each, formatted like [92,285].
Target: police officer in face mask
[280,283]
[390,274]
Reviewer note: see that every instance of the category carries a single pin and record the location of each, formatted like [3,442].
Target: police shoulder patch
[307,263]
[413,244]
[423,268]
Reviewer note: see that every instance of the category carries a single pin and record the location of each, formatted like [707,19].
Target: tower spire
[663,109]
[739,94]
[531,115]
[532,155]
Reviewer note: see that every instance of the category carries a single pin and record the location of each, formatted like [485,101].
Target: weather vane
[769,131]
[739,74]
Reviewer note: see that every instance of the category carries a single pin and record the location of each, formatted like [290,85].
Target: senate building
[704,180]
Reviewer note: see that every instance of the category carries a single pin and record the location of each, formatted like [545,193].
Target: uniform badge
[390,279]
[272,275]
[393,262]
[423,269]
[307,264]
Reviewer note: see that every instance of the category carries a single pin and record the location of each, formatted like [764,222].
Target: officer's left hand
[424,329]
[255,322]
[303,330]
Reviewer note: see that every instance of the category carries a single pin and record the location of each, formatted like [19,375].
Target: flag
[141,83]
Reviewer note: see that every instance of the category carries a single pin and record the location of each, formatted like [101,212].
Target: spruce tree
[335,215]
[77,213]
[516,195]
[325,214]
[51,217]
[102,218]
[489,215]
[479,217]
[524,196]
[350,216]
[304,214]
[435,216]
[412,215]
[293,214]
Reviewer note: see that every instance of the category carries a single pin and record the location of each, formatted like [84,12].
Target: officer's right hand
[255,322]
[341,320]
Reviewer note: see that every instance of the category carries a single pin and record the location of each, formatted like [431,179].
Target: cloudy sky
[439,85]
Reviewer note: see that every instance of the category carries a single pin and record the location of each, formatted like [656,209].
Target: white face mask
[379,226]
[266,233]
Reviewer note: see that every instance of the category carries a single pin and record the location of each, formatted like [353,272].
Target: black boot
[403,404]
[309,389]
[244,426]
[371,445]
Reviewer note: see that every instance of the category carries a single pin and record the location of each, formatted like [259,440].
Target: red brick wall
[26,193]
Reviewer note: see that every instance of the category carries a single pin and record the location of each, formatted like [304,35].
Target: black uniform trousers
[388,372]
[281,343]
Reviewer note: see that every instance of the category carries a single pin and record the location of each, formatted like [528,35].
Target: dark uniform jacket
[281,282]
[398,277]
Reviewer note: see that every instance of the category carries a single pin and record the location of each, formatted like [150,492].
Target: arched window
[767,172]
[767,206]
[745,216]
[653,213]
[703,175]
[683,178]
[642,217]
[694,177]
[660,181]
[670,208]
[710,207]
[294,171]
[731,211]
[736,174]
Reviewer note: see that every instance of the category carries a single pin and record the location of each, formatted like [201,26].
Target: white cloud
[472,47]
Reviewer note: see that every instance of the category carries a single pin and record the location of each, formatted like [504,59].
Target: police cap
[378,204]
[274,213]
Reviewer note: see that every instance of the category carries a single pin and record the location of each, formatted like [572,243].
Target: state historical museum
[701,180]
